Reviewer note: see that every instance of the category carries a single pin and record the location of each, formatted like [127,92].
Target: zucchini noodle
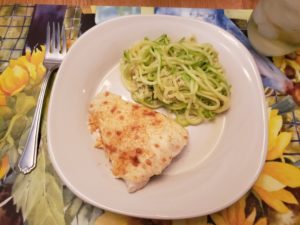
[185,77]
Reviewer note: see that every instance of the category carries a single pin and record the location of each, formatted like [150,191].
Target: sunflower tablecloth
[40,198]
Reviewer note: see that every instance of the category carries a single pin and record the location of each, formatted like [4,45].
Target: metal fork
[55,51]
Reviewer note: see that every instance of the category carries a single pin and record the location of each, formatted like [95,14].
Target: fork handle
[27,161]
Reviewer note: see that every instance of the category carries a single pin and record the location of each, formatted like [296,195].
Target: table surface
[229,4]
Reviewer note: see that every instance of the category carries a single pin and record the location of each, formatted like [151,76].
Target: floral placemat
[40,197]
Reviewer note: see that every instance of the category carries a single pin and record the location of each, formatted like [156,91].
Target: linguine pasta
[185,77]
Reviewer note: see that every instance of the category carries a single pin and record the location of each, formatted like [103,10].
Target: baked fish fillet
[138,141]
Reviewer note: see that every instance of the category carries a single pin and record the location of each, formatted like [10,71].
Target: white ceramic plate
[223,158]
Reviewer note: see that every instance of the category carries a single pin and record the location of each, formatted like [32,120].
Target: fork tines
[56,39]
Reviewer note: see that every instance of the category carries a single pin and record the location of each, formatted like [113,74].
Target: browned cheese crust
[139,142]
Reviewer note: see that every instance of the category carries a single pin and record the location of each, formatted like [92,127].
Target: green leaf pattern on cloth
[39,194]
[14,124]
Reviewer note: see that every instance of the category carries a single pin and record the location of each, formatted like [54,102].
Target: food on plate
[139,142]
[185,77]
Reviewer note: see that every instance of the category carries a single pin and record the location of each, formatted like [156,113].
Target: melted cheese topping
[138,141]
